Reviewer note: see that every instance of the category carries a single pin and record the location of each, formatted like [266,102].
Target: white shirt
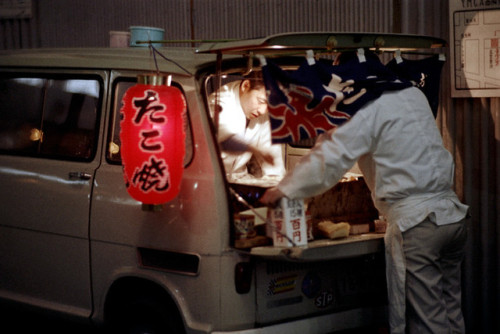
[410,174]
[232,121]
[400,153]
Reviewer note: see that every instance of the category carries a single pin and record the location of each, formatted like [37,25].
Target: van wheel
[147,315]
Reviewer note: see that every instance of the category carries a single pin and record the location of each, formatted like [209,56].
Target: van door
[49,126]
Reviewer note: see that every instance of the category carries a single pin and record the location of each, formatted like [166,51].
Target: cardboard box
[288,222]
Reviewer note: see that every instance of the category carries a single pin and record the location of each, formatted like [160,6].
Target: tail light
[243,272]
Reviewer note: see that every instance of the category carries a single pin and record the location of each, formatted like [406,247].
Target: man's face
[253,101]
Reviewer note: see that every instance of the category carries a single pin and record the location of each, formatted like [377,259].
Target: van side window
[49,117]
[113,153]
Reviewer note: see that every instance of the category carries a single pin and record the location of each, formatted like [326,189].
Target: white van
[73,241]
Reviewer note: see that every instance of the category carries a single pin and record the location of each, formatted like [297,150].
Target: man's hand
[262,154]
[272,196]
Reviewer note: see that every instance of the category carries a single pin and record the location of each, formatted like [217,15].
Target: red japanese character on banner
[152,142]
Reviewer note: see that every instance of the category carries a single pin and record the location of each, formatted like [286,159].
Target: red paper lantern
[152,140]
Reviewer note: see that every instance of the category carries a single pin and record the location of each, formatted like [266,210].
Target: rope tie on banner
[267,220]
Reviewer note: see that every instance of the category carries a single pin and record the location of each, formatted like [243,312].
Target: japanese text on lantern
[153,174]
[152,142]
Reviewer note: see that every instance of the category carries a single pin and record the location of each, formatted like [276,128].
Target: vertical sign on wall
[475,48]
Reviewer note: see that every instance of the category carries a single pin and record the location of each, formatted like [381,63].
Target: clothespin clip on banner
[361,55]
[398,57]
[262,60]
[310,57]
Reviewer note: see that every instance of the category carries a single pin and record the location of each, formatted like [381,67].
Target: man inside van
[244,130]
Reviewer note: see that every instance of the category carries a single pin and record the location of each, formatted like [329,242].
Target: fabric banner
[319,96]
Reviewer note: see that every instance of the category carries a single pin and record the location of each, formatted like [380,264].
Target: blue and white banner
[319,96]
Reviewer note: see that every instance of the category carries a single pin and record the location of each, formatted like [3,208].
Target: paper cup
[119,39]
[244,226]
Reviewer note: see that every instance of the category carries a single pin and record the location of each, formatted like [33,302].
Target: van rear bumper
[360,317]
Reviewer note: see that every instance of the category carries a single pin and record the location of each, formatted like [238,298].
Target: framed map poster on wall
[475,48]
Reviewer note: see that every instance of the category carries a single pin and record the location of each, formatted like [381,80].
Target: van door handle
[79,176]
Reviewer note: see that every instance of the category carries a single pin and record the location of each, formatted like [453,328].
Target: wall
[86,23]
[471,131]
[470,126]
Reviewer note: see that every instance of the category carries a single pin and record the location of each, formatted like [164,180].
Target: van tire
[147,311]
[146,316]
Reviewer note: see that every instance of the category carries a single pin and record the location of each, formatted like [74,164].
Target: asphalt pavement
[30,322]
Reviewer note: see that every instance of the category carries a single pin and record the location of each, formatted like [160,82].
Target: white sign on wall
[475,48]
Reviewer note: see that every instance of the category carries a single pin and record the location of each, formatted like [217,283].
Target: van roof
[323,41]
[132,58]
[186,61]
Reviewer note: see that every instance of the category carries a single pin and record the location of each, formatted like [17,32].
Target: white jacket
[400,152]
[410,174]
[232,121]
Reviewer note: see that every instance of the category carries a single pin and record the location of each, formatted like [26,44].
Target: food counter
[324,249]
[322,275]
[347,202]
